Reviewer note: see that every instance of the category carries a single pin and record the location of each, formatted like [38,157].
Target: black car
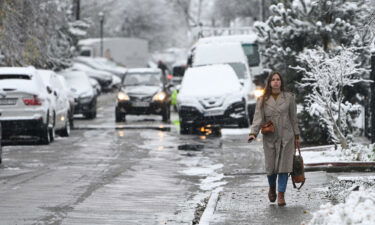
[143,91]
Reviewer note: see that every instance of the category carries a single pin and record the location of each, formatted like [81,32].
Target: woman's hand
[251,138]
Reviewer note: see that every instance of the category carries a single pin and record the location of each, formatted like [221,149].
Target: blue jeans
[282,181]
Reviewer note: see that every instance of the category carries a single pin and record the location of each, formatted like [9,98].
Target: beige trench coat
[279,146]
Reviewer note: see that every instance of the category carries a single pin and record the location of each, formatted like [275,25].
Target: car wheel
[52,132]
[185,129]
[45,136]
[71,120]
[90,115]
[166,114]
[119,117]
[66,131]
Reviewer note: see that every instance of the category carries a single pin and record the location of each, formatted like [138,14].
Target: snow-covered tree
[36,32]
[326,75]
[154,20]
[295,25]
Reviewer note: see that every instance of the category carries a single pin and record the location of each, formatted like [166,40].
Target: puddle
[191,147]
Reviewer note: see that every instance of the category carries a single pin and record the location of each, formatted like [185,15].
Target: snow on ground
[356,152]
[357,209]
[355,198]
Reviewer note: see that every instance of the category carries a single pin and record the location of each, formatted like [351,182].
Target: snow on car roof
[34,85]
[144,70]
[45,75]
[248,38]
[18,70]
[209,81]
[215,53]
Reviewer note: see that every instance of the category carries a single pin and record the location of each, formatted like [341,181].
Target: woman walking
[279,107]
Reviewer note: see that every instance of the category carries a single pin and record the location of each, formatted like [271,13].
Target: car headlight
[122,96]
[159,96]
[258,93]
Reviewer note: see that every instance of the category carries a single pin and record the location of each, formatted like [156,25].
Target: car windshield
[239,68]
[148,79]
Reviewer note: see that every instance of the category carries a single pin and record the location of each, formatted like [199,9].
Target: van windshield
[240,69]
[252,54]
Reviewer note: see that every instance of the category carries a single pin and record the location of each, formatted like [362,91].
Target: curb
[210,208]
[341,167]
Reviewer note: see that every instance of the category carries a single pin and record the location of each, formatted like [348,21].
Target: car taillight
[32,101]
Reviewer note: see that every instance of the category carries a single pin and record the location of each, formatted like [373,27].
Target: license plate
[141,104]
[214,113]
[8,101]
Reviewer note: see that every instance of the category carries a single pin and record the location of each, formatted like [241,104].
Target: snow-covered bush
[359,152]
[354,200]
[326,75]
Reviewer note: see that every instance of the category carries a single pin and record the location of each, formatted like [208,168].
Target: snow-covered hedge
[355,198]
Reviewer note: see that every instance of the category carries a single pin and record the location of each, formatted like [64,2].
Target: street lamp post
[372,102]
[101,18]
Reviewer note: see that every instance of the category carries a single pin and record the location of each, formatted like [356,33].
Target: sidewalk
[244,201]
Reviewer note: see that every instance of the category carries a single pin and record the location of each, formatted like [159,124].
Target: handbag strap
[295,186]
[299,150]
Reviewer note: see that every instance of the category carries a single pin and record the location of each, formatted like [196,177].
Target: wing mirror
[49,90]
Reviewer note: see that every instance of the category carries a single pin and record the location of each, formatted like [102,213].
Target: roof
[144,70]
[18,70]
[248,38]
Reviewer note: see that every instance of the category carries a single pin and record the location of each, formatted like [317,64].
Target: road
[138,172]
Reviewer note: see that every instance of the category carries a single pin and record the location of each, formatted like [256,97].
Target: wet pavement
[144,172]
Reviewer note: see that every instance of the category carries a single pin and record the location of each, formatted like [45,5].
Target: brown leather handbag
[268,128]
[298,174]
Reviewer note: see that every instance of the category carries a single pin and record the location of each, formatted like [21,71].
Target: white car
[25,108]
[103,77]
[233,54]
[59,100]
[70,96]
[211,95]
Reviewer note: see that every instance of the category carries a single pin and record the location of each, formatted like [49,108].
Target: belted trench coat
[279,146]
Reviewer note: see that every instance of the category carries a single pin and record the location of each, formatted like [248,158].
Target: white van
[249,45]
[232,54]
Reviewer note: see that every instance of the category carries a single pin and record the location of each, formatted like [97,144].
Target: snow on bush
[356,203]
[326,75]
[359,152]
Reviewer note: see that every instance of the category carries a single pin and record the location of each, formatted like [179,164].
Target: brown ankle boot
[281,199]
[272,194]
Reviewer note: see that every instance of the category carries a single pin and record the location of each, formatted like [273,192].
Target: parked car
[211,95]
[84,93]
[70,96]
[95,84]
[101,64]
[26,108]
[60,102]
[143,91]
[103,77]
